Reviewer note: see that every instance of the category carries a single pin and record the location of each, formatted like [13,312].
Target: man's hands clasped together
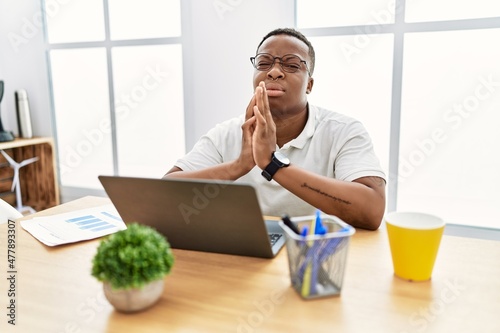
[259,131]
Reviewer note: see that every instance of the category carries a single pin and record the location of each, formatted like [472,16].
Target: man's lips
[274,90]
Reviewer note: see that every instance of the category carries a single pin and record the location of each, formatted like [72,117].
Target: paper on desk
[75,226]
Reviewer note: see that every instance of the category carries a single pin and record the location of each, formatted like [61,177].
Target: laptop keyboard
[274,238]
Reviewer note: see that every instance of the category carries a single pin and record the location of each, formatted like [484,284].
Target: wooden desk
[38,180]
[222,293]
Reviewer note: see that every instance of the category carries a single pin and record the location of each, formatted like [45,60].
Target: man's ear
[309,85]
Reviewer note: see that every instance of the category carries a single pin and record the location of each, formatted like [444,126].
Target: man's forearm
[360,203]
[224,171]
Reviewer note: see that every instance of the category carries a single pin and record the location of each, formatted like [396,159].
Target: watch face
[282,158]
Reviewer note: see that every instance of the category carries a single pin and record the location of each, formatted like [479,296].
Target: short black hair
[297,34]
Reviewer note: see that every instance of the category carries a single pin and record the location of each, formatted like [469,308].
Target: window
[132,19]
[339,13]
[117,88]
[432,10]
[424,78]
[360,89]
[68,22]
[449,123]
[81,103]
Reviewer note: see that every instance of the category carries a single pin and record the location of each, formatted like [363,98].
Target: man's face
[286,91]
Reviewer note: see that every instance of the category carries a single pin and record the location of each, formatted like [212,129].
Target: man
[298,157]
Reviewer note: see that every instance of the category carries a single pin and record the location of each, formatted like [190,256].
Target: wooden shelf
[38,180]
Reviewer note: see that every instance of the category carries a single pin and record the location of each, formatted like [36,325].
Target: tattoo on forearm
[326,194]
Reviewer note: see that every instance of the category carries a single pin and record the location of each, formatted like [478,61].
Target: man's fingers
[264,103]
[249,111]
[258,114]
[248,125]
[259,95]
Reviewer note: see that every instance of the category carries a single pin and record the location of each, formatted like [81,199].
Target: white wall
[23,64]
[224,35]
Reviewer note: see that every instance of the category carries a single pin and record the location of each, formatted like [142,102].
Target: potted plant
[132,264]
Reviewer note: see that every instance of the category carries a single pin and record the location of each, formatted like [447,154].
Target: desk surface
[221,293]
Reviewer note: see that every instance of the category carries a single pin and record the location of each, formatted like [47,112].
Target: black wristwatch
[278,161]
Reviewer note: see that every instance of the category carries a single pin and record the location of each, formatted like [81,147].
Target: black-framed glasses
[289,63]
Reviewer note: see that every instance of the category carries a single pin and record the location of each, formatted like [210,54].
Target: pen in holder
[317,261]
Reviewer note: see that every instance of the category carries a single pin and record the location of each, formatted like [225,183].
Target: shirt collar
[308,131]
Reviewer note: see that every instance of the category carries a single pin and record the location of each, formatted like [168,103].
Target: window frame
[72,192]
[399,29]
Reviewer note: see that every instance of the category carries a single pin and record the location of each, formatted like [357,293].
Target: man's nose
[275,72]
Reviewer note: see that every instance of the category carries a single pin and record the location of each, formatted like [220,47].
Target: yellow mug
[414,240]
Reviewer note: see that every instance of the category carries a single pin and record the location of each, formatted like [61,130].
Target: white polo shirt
[331,144]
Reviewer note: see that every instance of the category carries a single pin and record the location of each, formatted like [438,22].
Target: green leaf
[133,257]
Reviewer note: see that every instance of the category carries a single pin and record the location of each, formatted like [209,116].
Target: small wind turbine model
[15,181]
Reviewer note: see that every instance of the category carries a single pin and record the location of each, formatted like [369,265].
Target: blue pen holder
[317,262]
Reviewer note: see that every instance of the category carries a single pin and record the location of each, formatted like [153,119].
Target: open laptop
[200,215]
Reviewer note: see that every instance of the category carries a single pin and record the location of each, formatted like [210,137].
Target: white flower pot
[131,300]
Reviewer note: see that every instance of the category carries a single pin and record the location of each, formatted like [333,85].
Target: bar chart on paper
[92,222]
[75,226]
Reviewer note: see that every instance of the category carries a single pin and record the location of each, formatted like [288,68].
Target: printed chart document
[75,226]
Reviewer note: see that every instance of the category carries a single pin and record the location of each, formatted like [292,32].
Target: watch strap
[272,167]
[270,170]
